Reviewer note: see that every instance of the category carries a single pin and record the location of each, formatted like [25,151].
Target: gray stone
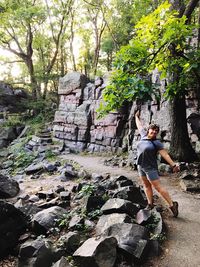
[132,238]
[70,242]
[62,263]
[7,164]
[117,205]
[4,153]
[8,187]
[75,222]
[8,133]
[12,225]
[190,185]
[34,168]
[44,220]
[151,219]
[131,193]
[97,252]
[71,82]
[106,221]
[65,195]
[35,253]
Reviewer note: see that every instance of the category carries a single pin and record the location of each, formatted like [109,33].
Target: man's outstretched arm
[137,121]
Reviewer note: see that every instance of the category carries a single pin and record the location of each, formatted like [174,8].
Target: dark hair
[154,126]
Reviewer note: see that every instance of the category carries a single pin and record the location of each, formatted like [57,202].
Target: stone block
[60,116]
[71,82]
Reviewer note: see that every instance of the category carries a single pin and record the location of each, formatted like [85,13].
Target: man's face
[152,133]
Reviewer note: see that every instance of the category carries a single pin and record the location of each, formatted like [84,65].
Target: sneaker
[149,207]
[174,208]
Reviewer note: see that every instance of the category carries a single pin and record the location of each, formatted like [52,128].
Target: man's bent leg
[162,191]
[147,189]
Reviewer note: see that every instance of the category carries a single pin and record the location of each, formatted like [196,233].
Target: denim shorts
[151,174]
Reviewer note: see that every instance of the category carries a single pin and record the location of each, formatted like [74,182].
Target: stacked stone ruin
[76,119]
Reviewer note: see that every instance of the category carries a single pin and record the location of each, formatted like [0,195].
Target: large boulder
[46,219]
[36,253]
[7,135]
[10,98]
[97,252]
[106,221]
[132,238]
[71,82]
[12,225]
[8,187]
[117,205]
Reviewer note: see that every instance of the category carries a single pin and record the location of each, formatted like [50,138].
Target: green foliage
[65,220]
[21,156]
[41,111]
[160,41]
[153,222]
[160,237]
[23,159]
[50,155]
[87,190]
[95,214]
[14,120]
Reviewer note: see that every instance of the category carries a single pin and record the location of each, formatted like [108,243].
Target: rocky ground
[183,235]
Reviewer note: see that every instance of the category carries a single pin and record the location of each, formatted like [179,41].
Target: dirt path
[183,239]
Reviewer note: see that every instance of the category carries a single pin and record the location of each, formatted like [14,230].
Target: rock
[117,205]
[65,195]
[8,133]
[29,209]
[69,242]
[75,222]
[34,168]
[7,164]
[97,252]
[71,82]
[4,153]
[190,185]
[151,219]
[44,220]
[143,216]
[34,198]
[12,225]
[59,189]
[106,221]
[97,177]
[35,253]
[117,182]
[50,167]
[8,187]
[131,193]
[62,263]
[93,203]
[131,238]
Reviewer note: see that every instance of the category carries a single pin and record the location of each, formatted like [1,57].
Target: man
[147,150]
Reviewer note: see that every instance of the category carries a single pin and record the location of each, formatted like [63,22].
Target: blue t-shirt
[147,151]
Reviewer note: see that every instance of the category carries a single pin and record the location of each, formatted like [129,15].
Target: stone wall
[76,121]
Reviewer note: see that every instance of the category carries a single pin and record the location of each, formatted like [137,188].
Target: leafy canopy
[160,41]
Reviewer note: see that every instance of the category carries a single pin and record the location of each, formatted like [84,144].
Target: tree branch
[190,8]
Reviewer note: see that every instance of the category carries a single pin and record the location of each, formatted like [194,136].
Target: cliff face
[77,125]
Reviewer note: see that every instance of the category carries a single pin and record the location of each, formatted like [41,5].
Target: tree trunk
[180,147]
[34,85]
[71,41]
